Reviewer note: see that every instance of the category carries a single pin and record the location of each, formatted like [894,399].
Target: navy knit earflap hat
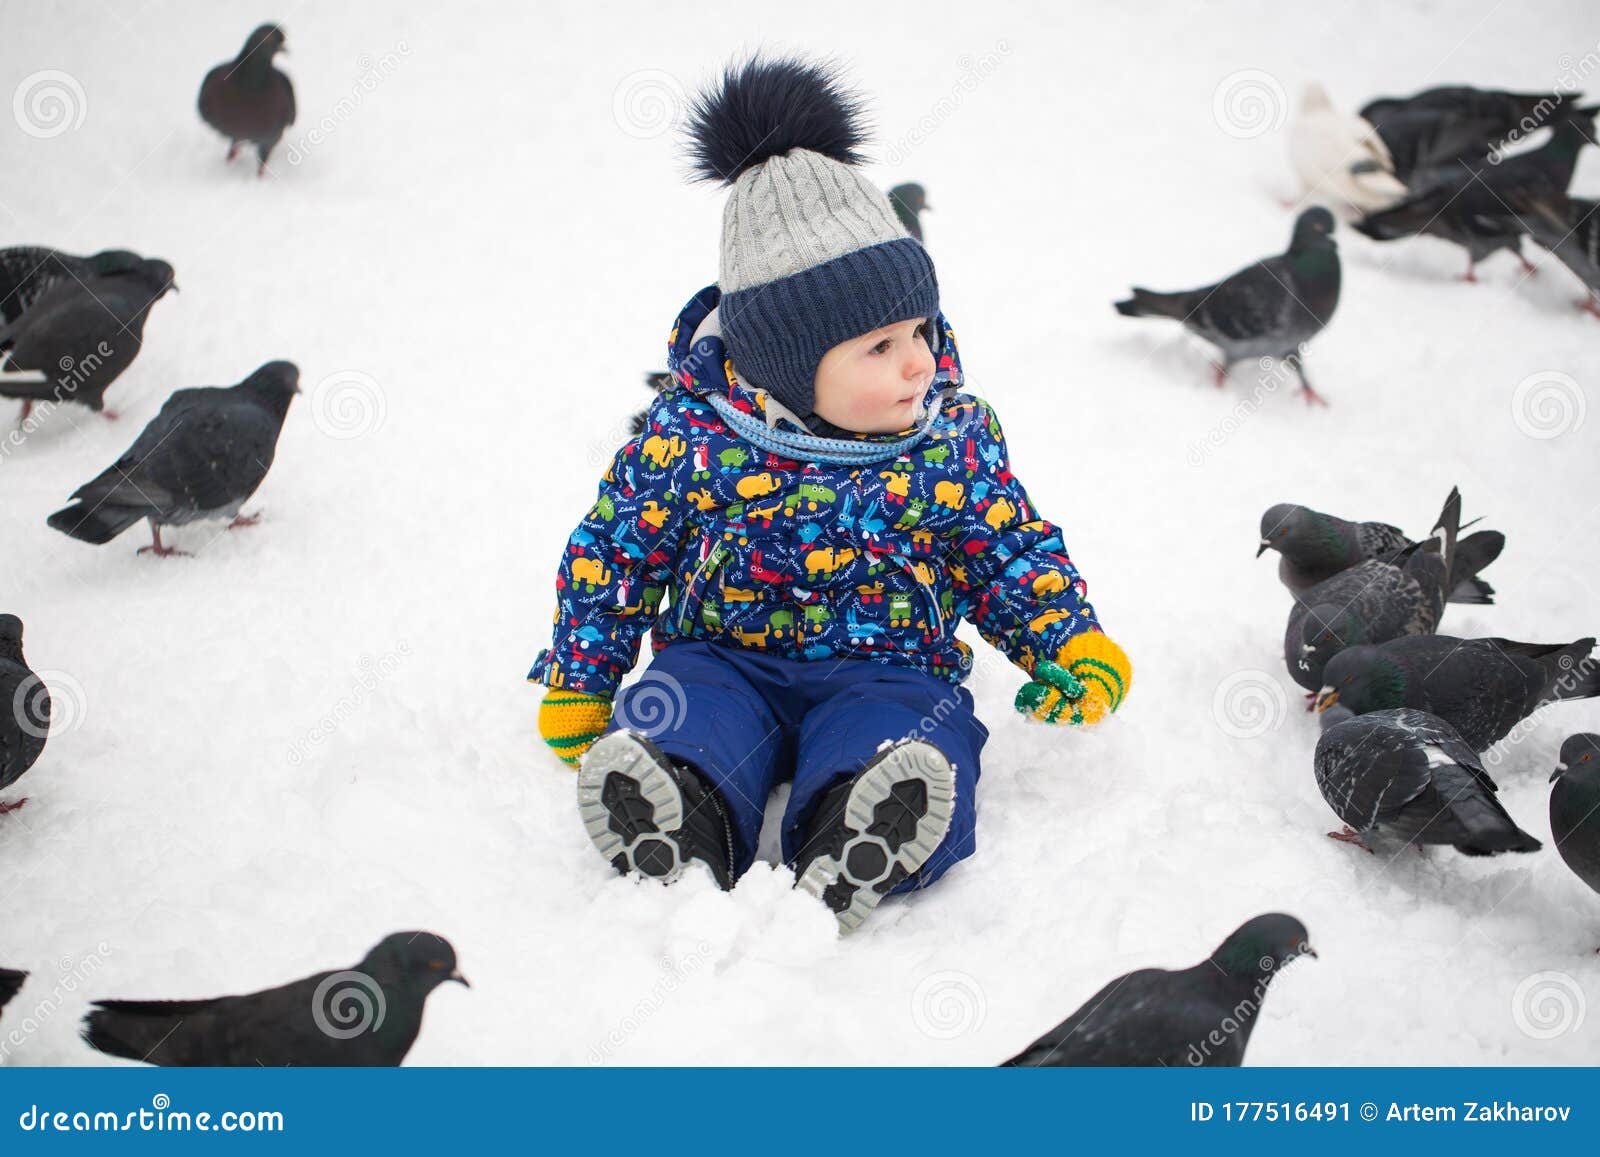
[812,253]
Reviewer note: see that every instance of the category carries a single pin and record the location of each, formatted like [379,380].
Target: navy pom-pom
[762,108]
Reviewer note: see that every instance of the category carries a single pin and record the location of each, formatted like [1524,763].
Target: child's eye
[883,346]
[922,329]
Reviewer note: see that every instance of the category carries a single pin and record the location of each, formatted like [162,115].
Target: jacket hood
[702,367]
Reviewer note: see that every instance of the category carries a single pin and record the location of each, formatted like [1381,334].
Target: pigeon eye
[436,965]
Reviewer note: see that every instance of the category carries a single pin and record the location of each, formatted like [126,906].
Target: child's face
[871,384]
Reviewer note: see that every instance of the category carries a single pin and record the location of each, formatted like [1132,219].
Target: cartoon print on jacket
[808,560]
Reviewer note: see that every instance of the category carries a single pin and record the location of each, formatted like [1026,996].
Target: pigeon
[1372,602]
[10,984]
[247,100]
[366,1016]
[27,271]
[1270,309]
[1484,209]
[1316,546]
[1575,806]
[82,334]
[1406,775]
[909,200]
[1481,687]
[201,457]
[1199,1016]
[1433,133]
[1569,227]
[24,710]
[1340,157]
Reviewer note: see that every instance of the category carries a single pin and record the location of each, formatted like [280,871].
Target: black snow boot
[870,832]
[647,814]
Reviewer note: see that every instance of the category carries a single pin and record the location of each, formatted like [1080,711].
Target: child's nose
[919,365]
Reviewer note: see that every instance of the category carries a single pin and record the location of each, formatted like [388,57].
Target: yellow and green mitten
[571,721]
[1086,682]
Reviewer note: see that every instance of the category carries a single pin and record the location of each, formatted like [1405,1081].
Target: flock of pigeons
[1435,164]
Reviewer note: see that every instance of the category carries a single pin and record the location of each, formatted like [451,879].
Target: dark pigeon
[1404,775]
[28,271]
[1373,602]
[366,1016]
[909,201]
[1481,687]
[201,457]
[1316,546]
[1270,309]
[247,100]
[1575,806]
[1175,1018]
[78,336]
[10,984]
[1430,135]
[1485,209]
[1569,227]
[24,710]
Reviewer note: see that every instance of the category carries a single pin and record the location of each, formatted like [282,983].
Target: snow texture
[315,731]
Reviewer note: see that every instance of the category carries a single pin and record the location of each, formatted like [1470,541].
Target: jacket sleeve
[617,565]
[1013,578]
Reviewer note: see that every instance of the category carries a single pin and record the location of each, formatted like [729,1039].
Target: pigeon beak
[1262,549]
[1556,774]
[1326,698]
[1307,950]
[459,979]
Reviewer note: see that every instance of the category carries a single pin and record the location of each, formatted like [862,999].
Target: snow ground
[316,731]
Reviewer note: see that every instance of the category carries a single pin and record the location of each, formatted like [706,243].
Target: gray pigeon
[24,710]
[1269,309]
[247,100]
[909,201]
[1404,775]
[364,1016]
[201,457]
[27,271]
[1373,602]
[1570,228]
[1481,687]
[1193,1017]
[10,984]
[1314,547]
[1575,806]
[79,335]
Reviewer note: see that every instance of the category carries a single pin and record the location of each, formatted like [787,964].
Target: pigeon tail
[1473,553]
[96,524]
[130,1028]
[1569,671]
[1147,303]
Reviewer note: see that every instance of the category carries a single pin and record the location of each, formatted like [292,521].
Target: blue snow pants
[746,720]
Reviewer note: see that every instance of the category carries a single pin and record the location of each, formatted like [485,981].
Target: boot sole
[632,807]
[897,813]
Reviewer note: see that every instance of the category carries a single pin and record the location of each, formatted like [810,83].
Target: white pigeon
[1340,157]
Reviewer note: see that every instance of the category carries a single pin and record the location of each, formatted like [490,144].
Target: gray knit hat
[813,254]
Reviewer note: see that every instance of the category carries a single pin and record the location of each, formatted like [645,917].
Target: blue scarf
[813,447]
